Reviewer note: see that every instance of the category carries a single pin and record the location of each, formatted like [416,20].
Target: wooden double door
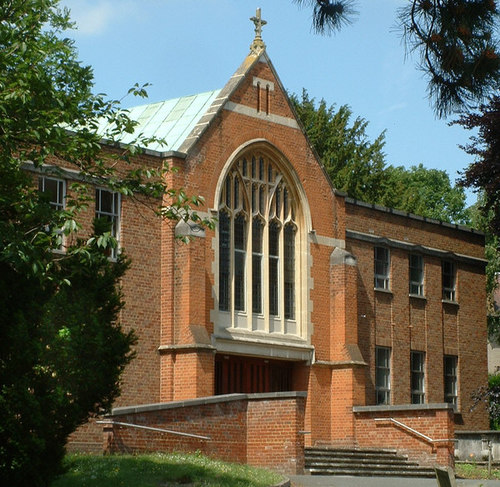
[238,374]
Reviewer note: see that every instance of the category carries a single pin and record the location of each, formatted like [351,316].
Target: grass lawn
[160,470]
[476,471]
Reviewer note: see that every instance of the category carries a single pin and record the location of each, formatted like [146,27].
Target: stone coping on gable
[202,401]
[401,407]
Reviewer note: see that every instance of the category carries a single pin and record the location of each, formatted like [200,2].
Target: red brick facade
[426,436]
[173,295]
[259,429]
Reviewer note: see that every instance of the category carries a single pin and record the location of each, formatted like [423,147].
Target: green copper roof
[171,120]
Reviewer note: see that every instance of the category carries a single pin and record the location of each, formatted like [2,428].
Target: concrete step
[366,462]
[424,473]
[361,462]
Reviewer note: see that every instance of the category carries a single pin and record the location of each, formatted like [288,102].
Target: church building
[305,318]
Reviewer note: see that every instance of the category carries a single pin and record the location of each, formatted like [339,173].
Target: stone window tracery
[258,246]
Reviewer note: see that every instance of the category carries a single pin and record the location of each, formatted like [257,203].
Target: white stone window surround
[245,324]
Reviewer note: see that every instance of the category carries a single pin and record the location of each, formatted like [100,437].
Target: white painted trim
[252,112]
[264,83]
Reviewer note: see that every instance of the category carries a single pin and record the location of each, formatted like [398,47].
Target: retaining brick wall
[374,429]
[264,430]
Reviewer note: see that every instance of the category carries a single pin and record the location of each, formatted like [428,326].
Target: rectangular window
[450,379]
[416,275]
[381,267]
[107,207]
[417,377]
[383,375]
[449,280]
[55,190]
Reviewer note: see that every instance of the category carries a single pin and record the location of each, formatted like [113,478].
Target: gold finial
[258,44]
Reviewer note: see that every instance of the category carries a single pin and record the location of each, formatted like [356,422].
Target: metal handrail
[414,431]
[150,428]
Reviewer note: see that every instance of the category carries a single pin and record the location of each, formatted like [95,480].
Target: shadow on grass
[158,470]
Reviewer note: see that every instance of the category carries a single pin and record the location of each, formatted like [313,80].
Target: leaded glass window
[257,247]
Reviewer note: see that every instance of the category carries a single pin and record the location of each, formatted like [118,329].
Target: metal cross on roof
[258,44]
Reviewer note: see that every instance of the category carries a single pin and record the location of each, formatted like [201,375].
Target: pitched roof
[182,121]
[171,120]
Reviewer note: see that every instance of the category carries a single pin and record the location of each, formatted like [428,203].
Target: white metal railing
[414,431]
[150,428]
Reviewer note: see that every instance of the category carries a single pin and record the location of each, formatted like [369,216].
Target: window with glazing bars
[381,267]
[448,280]
[450,379]
[383,375]
[54,190]
[417,377]
[257,218]
[416,275]
[107,208]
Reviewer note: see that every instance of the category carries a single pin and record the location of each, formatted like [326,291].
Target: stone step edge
[385,473]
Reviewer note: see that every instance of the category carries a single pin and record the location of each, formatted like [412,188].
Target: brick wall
[263,430]
[170,293]
[374,429]
[406,323]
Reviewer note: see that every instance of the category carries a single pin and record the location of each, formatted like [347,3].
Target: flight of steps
[362,462]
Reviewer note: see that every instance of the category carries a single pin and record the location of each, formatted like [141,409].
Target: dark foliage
[456,41]
[489,397]
[62,349]
[484,173]
[330,15]
[61,356]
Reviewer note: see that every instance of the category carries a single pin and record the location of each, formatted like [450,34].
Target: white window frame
[58,204]
[383,358]
[416,280]
[112,215]
[450,376]
[417,367]
[381,268]
[449,280]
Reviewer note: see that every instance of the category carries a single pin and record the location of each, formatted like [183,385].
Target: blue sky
[184,47]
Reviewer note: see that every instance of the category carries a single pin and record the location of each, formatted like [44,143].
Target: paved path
[339,481]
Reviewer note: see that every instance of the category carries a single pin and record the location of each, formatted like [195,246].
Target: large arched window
[258,248]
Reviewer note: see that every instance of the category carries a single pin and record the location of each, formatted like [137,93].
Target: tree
[456,40]
[59,322]
[481,220]
[425,192]
[489,396]
[354,164]
[484,173]
[357,165]
[484,176]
